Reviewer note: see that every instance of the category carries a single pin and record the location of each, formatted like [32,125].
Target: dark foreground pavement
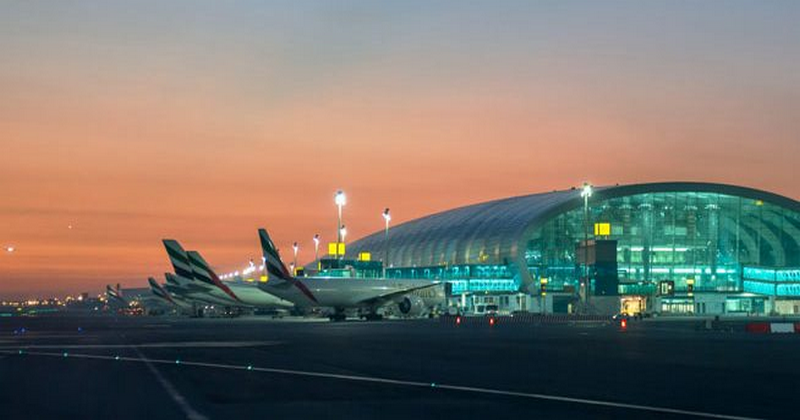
[104,367]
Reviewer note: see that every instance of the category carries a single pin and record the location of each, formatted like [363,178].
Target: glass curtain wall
[676,236]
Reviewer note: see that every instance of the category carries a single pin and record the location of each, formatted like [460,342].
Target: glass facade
[463,278]
[771,281]
[671,236]
[698,233]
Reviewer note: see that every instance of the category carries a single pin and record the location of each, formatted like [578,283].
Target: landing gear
[338,316]
[372,316]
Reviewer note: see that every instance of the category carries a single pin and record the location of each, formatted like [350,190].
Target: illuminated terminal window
[662,232]
[673,236]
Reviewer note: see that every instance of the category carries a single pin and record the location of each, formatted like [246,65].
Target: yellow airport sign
[602,229]
[364,256]
[336,248]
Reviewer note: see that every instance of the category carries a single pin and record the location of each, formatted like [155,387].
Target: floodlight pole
[316,251]
[342,235]
[340,199]
[295,248]
[586,192]
[386,217]
[339,226]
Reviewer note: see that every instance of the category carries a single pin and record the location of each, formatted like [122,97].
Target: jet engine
[411,306]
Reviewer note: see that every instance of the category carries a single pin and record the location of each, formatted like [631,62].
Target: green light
[178,361]
[249,367]
[116,357]
[66,354]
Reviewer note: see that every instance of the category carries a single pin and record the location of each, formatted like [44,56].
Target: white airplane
[245,293]
[179,286]
[185,282]
[120,299]
[206,286]
[176,300]
[364,295]
[114,297]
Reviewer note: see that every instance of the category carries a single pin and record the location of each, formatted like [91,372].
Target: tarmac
[172,368]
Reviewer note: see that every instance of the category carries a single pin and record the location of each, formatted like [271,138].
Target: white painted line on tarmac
[176,396]
[400,382]
[39,336]
[177,344]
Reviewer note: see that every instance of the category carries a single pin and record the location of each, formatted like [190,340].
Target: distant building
[679,248]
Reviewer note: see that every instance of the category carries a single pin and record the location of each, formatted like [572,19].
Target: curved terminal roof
[491,232]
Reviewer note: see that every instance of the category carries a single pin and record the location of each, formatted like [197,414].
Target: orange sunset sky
[202,121]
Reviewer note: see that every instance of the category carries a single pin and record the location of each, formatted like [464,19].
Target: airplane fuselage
[195,291]
[338,292]
[251,295]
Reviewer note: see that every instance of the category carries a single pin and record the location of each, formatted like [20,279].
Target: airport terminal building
[664,248]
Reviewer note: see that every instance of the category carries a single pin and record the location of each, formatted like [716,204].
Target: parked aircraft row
[118,299]
[194,284]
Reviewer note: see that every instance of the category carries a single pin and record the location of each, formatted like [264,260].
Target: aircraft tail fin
[178,258]
[171,279]
[203,272]
[158,290]
[114,294]
[275,268]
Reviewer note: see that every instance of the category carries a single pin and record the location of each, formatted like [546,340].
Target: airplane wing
[388,297]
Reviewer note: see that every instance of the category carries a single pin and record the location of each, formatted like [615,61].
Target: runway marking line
[400,382]
[176,396]
[177,344]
